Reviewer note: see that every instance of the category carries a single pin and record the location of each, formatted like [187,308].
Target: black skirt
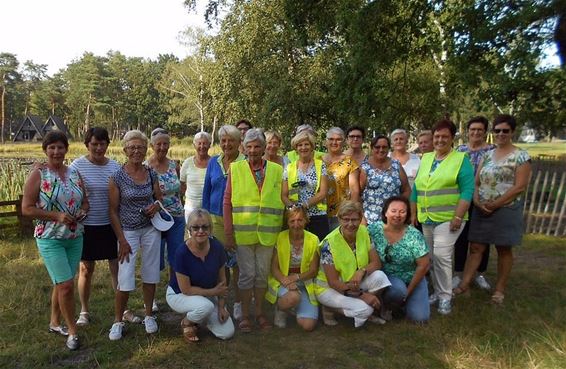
[99,243]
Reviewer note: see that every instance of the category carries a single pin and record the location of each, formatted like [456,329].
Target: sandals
[328,317]
[84,319]
[189,331]
[129,316]
[497,298]
[60,329]
[461,290]
[263,323]
[245,325]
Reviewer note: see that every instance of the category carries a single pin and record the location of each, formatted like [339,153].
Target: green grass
[529,331]
[545,148]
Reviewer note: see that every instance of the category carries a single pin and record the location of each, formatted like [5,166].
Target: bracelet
[457,217]
[298,277]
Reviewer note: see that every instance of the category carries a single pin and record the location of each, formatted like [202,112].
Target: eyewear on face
[381,147]
[501,130]
[136,148]
[335,139]
[355,137]
[350,220]
[196,228]
[299,184]
[388,257]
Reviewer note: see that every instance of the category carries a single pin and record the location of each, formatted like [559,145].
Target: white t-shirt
[411,167]
[193,176]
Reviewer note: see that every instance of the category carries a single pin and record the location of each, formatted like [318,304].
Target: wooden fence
[545,199]
[23,225]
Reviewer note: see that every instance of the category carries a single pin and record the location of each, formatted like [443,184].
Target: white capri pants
[201,310]
[440,239]
[354,307]
[147,239]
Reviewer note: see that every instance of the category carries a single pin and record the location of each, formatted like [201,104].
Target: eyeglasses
[196,228]
[381,147]
[501,130]
[335,139]
[355,137]
[388,257]
[299,184]
[350,220]
[136,148]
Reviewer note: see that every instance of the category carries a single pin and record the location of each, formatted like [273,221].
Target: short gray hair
[159,133]
[202,136]
[134,134]
[304,127]
[199,213]
[398,131]
[229,130]
[254,134]
[335,131]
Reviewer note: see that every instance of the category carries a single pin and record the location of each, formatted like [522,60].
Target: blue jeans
[174,238]
[417,308]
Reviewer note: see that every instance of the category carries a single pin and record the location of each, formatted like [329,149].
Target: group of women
[338,229]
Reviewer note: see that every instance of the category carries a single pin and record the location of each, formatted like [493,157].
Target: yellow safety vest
[257,217]
[293,176]
[438,193]
[310,251]
[345,261]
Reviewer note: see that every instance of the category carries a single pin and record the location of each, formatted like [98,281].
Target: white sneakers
[116,331]
[237,311]
[444,306]
[280,318]
[73,342]
[150,324]
[482,283]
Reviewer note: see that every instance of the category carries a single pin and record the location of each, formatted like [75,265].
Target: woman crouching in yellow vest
[349,280]
[253,215]
[294,264]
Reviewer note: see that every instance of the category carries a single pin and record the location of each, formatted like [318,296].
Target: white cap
[162,220]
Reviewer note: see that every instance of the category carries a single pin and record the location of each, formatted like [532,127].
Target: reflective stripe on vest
[257,216]
[438,193]
[310,251]
[345,262]
[292,177]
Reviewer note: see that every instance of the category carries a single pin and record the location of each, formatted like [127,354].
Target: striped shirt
[96,179]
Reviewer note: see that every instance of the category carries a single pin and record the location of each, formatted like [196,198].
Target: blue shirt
[215,184]
[203,274]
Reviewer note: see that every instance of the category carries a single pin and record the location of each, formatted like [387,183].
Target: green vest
[292,178]
[310,251]
[345,261]
[438,193]
[257,217]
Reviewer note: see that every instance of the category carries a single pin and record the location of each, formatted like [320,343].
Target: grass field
[529,331]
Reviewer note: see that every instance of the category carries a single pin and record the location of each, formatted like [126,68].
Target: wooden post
[533,202]
[556,203]
[25,224]
[547,205]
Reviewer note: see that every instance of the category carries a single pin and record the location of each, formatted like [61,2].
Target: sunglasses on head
[299,184]
[159,131]
[501,130]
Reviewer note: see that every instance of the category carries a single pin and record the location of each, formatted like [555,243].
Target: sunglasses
[501,130]
[299,184]
[388,257]
[196,228]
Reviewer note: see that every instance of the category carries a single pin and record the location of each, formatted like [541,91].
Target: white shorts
[147,239]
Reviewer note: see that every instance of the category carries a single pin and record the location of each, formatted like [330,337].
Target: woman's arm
[321,194]
[373,265]
[124,248]
[363,179]
[405,188]
[522,175]
[333,278]
[188,289]
[313,268]
[183,187]
[230,240]
[285,193]
[354,184]
[423,265]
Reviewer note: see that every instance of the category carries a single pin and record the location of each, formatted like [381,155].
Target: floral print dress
[381,185]
[170,186]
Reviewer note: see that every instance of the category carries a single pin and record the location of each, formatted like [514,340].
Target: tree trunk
[213,129]
[3,105]
[87,116]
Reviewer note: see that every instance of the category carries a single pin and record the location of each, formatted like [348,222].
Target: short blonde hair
[349,206]
[426,132]
[231,131]
[199,213]
[296,210]
[271,134]
[134,134]
[302,136]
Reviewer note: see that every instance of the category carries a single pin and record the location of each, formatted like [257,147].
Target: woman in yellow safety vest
[305,183]
[441,195]
[293,266]
[349,278]
[253,216]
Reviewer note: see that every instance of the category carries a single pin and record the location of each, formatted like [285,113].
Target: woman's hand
[356,279]
[370,299]
[124,251]
[455,224]
[223,314]
[230,242]
[64,218]
[152,209]
[221,290]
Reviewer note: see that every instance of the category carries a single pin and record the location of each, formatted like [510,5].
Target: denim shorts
[305,309]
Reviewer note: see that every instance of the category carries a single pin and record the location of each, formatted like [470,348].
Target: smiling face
[304,149]
[399,142]
[296,221]
[349,224]
[55,153]
[200,229]
[135,150]
[160,146]
[334,143]
[425,144]
[503,134]
[97,149]
[476,133]
[229,145]
[254,150]
[396,213]
[442,140]
[273,146]
[355,139]
[380,149]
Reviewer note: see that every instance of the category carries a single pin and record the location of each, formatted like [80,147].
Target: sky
[54,32]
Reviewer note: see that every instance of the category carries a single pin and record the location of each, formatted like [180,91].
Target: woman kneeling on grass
[198,286]
[54,194]
[293,266]
[349,279]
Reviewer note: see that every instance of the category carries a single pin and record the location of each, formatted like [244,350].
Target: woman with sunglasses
[405,258]
[343,174]
[349,279]
[497,218]
[198,286]
[305,183]
[381,177]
